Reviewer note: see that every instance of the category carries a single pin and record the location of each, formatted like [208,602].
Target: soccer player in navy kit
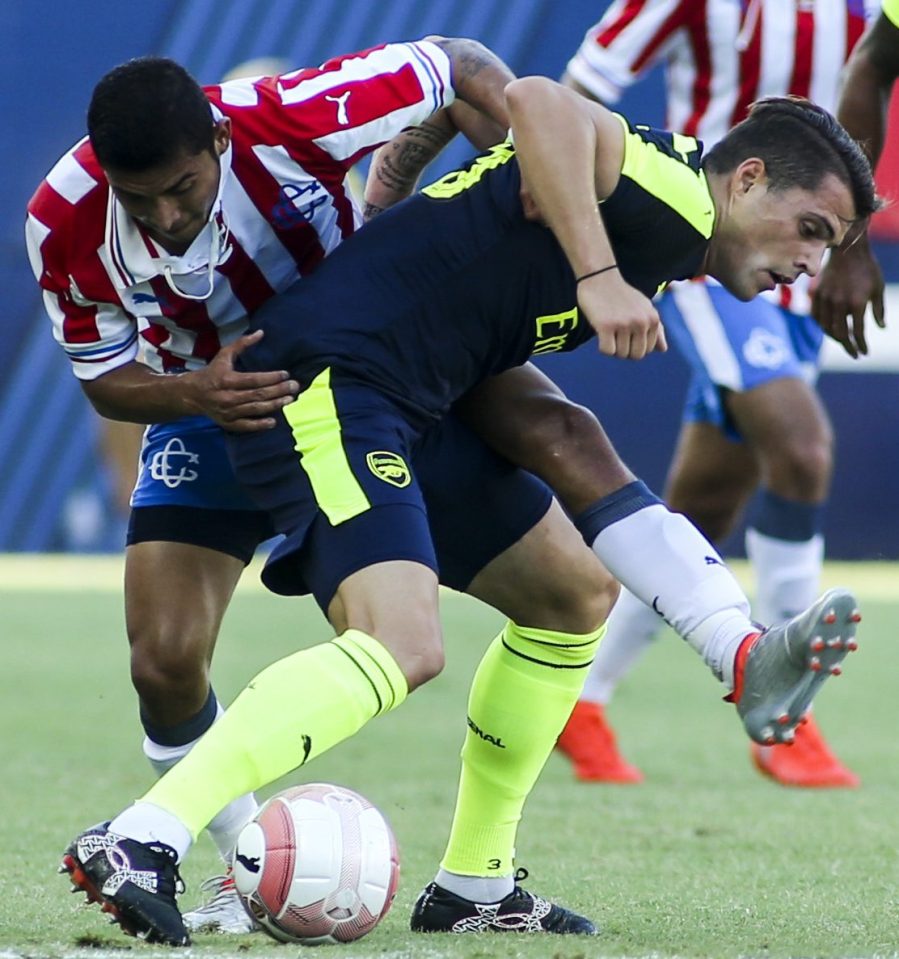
[460,283]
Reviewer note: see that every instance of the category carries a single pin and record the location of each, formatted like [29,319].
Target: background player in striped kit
[754,430]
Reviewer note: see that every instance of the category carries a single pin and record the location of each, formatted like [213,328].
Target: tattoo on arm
[370,211]
[410,154]
[469,57]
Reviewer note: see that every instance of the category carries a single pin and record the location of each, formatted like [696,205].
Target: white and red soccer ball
[318,864]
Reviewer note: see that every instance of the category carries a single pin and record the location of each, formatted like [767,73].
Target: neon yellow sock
[291,712]
[521,698]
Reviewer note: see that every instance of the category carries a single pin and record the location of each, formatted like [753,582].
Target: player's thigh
[549,579]
[711,478]
[524,416]
[175,597]
[478,503]
[787,425]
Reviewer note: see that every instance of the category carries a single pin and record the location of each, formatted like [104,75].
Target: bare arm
[564,186]
[852,278]
[240,402]
[479,113]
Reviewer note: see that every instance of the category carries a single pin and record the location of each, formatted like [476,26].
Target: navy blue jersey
[455,284]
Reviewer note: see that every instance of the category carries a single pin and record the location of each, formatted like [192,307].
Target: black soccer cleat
[134,882]
[438,910]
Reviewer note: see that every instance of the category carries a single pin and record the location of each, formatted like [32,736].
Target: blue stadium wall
[50,473]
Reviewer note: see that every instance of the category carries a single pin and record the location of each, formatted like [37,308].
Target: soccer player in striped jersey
[754,430]
[481,270]
[149,278]
[852,278]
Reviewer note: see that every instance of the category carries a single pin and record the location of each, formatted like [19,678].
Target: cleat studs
[835,670]
[835,643]
[767,734]
[817,644]
[783,719]
[830,618]
[852,645]
[805,718]
[855,616]
[814,664]
[788,736]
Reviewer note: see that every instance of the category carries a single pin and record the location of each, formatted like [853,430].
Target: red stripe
[750,72]
[298,237]
[370,98]
[855,27]
[247,281]
[188,315]
[702,85]
[631,9]
[678,18]
[801,81]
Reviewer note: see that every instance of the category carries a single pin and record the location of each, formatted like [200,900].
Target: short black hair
[800,144]
[147,112]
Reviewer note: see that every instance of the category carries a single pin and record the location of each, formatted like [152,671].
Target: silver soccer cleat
[787,664]
[223,912]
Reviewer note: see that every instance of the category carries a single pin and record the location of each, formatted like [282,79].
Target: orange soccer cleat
[808,763]
[589,742]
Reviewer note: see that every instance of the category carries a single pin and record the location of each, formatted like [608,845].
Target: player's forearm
[398,164]
[556,144]
[867,83]
[135,394]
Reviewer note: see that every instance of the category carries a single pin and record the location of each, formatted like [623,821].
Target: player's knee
[167,667]
[418,652]
[803,468]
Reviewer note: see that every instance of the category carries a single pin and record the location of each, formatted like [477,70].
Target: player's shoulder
[74,188]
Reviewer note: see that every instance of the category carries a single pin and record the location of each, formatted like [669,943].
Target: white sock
[788,574]
[717,640]
[664,560]
[475,888]
[631,628]
[146,822]
[226,826]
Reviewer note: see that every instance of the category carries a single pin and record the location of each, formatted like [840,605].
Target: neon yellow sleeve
[891,11]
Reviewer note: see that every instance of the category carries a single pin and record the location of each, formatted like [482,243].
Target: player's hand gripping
[627,324]
[851,279]
[241,402]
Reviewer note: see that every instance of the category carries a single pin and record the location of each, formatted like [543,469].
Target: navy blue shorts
[350,483]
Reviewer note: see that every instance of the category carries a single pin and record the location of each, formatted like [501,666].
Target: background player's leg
[786,424]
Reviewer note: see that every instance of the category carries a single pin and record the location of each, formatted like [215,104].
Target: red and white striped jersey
[114,295]
[721,55]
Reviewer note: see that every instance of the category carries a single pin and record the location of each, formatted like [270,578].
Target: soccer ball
[317,864]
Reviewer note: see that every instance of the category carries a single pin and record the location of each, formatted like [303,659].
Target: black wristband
[587,276]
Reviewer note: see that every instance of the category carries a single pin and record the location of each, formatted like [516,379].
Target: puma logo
[250,863]
[342,117]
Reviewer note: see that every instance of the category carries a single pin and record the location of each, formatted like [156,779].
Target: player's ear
[221,136]
[751,172]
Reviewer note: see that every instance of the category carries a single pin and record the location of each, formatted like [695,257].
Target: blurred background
[64,479]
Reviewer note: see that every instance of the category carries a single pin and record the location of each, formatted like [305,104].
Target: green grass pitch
[705,859]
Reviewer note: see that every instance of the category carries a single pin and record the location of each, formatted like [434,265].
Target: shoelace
[173,856]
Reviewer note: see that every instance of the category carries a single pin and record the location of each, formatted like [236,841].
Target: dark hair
[147,112]
[800,143]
